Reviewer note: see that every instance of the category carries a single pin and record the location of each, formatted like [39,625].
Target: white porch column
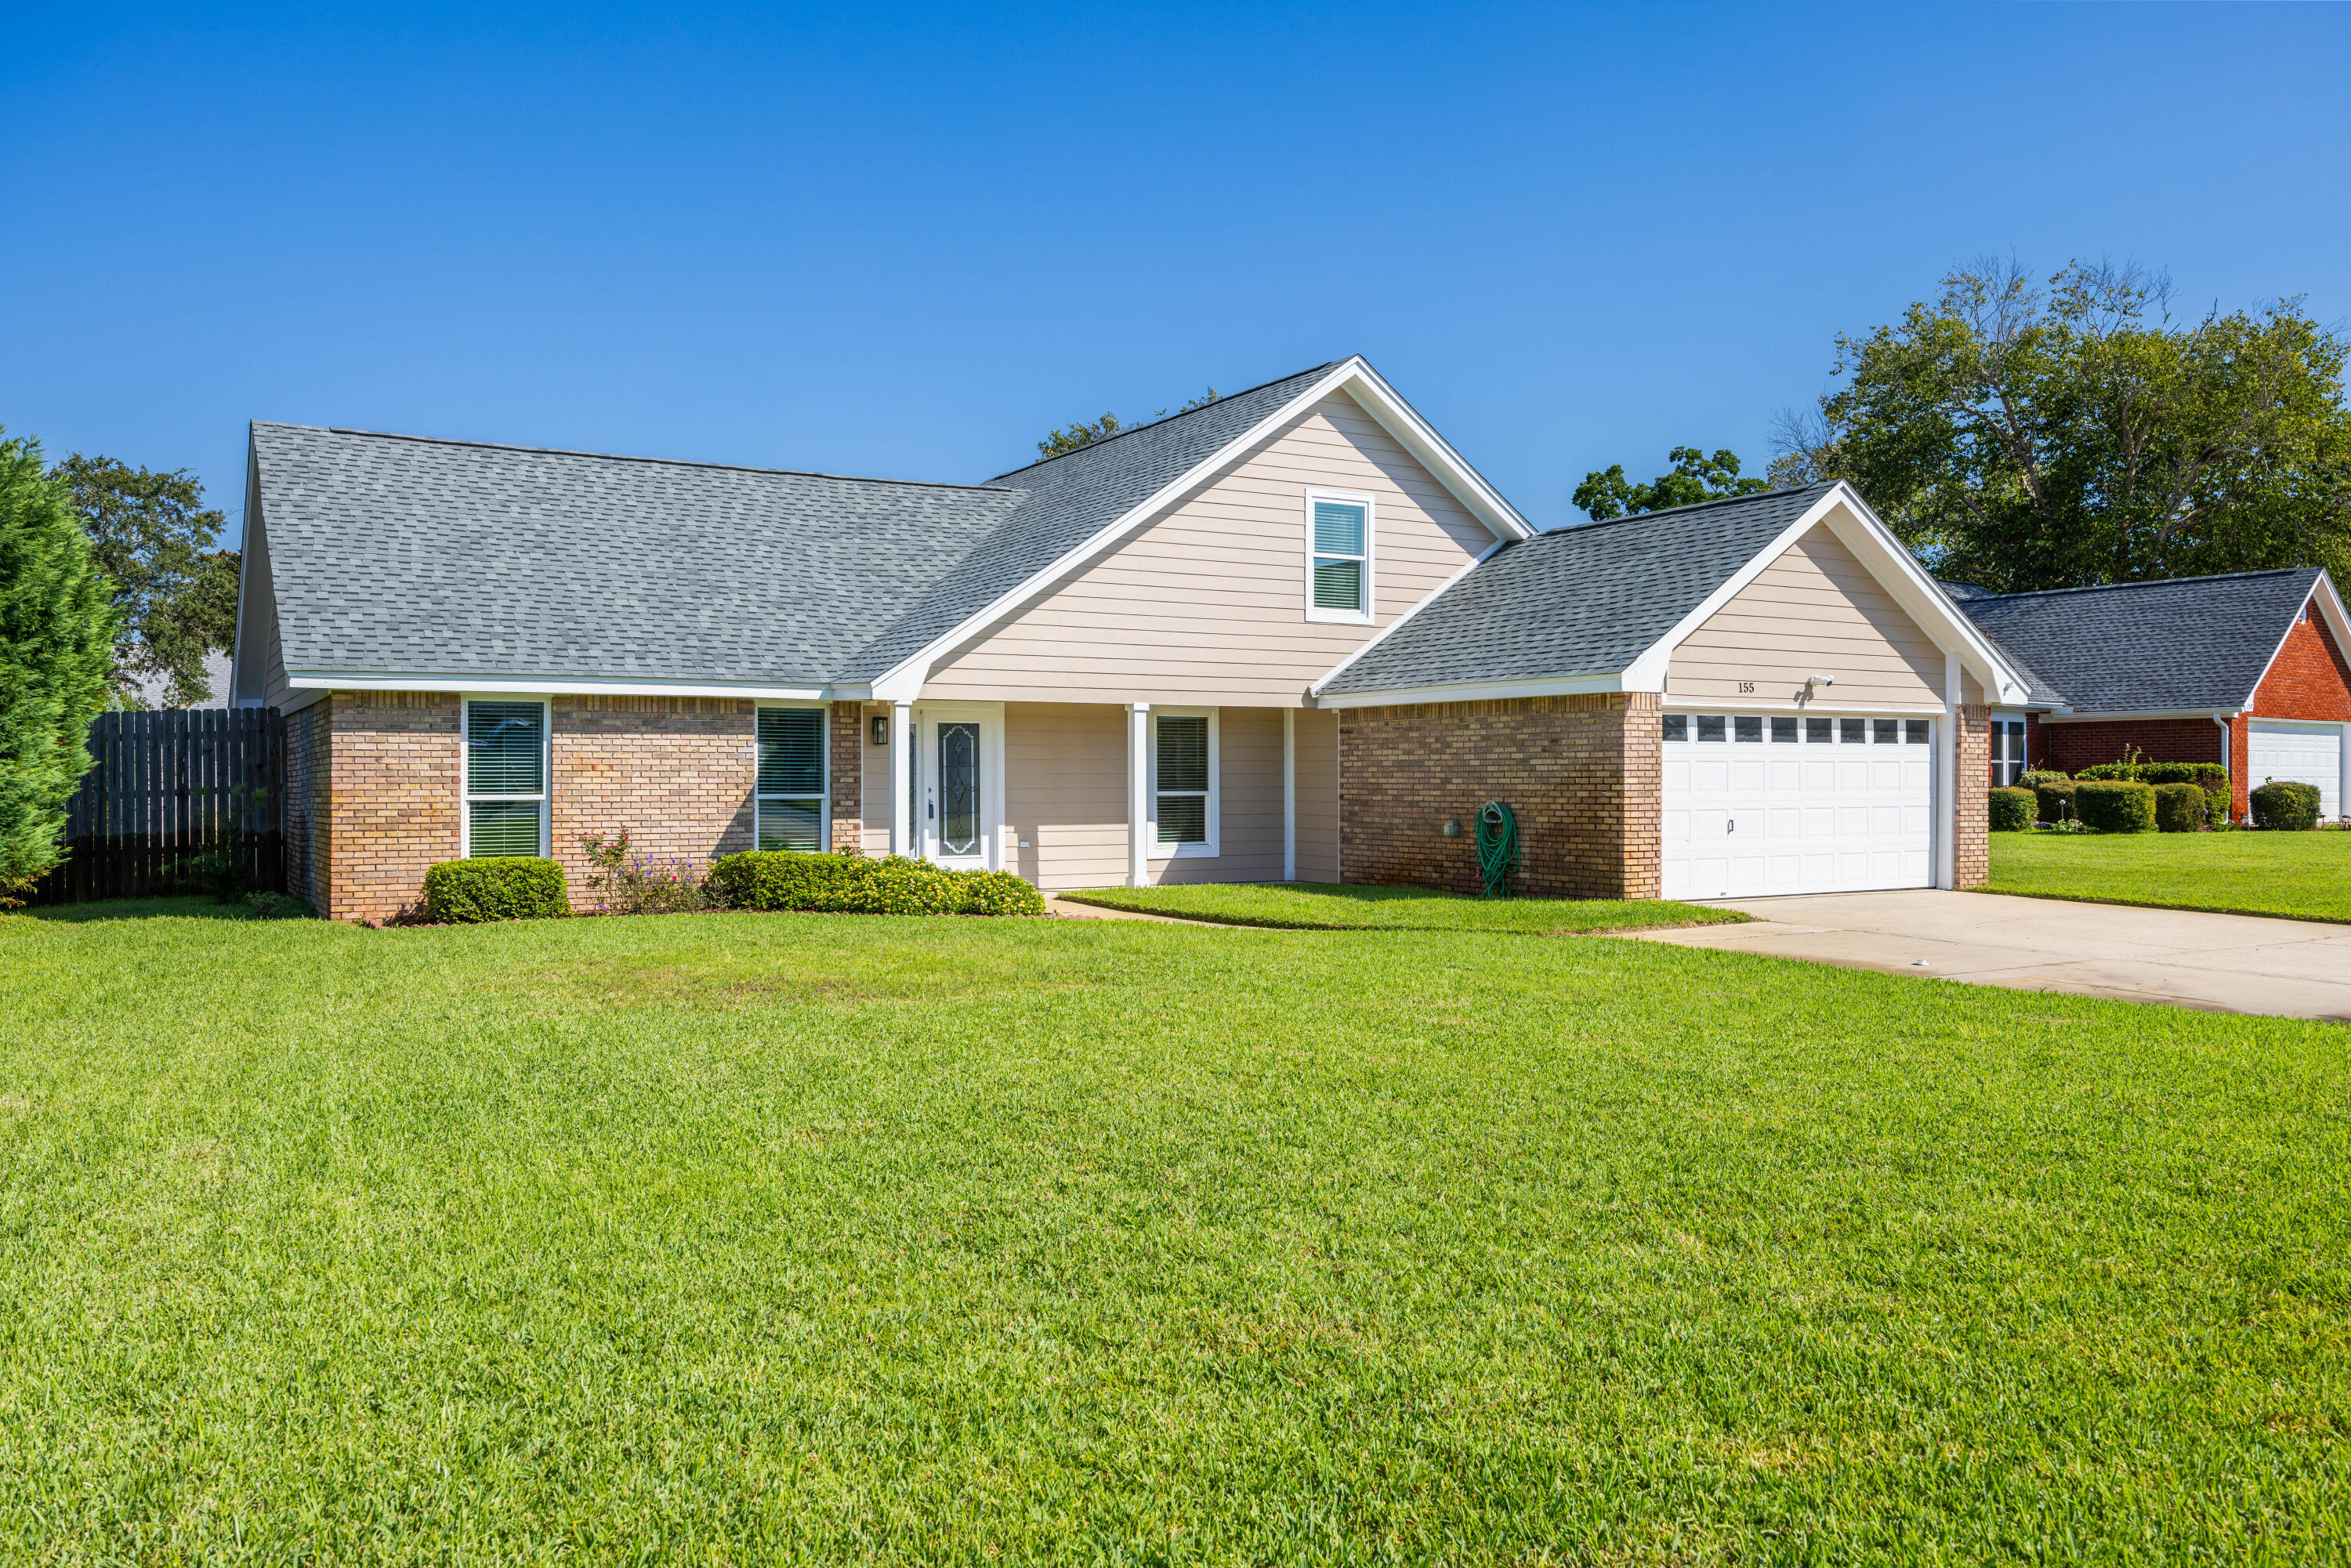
[1289,794]
[1947,781]
[901,783]
[1138,787]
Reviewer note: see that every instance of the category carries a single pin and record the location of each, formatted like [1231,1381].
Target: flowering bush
[627,882]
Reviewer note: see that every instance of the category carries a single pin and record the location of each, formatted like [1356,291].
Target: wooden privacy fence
[169,785]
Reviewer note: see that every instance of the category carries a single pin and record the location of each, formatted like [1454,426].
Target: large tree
[57,635]
[1606,493]
[2028,436]
[153,535]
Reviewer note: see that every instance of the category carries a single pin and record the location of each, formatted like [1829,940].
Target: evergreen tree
[57,642]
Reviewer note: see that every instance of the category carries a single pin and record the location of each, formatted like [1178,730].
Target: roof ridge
[2150,582]
[1686,507]
[630,457]
[1170,419]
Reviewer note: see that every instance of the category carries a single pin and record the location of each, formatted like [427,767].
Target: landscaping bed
[759,1237]
[2299,876]
[1325,906]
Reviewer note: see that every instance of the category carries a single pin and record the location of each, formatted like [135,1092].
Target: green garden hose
[1498,847]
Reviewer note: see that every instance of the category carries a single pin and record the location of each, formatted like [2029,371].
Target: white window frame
[824,812]
[1361,617]
[1210,849]
[465,796]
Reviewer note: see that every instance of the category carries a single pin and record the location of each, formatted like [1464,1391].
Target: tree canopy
[153,535]
[57,633]
[2028,436]
[1695,476]
[1070,438]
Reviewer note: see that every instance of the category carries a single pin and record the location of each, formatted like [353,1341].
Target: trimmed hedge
[2178,807]
[2213,777]
[2287,807]
[2057,799]
[495,887]
[2114,805]
[853,884]
[2035,778]
[2013,810]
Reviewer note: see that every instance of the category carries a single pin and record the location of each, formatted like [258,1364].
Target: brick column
[1971,837]
[847,752]
[393,762]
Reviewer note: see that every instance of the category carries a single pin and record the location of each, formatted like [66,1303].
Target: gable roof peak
[1163,421]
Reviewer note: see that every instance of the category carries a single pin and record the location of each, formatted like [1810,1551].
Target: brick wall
[2309,679]
[676,772]
[1971,837]
[847,758]
[1583,774]
[2073,747]
[392,771]
[307,823]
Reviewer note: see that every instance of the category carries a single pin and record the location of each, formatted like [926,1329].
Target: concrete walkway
[2221,963]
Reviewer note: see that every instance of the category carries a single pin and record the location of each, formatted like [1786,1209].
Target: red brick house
[1291,636]
[2247,669]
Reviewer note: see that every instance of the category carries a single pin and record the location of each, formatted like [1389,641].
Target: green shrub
[2287,807]
[495,887]
[2035,778]
[850,883]
[2057,799]
[2108,773]
[2178,807]
[2013,810]
[2114,805]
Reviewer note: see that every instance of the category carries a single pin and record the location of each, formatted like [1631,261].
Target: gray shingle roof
[393,553]
[2187,642]
[1576,601]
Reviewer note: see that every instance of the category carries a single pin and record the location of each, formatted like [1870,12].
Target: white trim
[1154,850]
[1289,794]
[1367,598]
[546,795]
[1374,641]
[903,839]
[2330,605]
[1353,376]
[1138,787]
[1946,779]
[1474,692]
[824,810]
[2219,715]
[989,716]
[586,685]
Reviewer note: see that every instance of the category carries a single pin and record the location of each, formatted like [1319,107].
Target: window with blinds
[790,805]
[1342,556]
[1182,783]
[506,778]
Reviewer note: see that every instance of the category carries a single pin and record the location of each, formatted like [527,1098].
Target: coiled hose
[1498,847]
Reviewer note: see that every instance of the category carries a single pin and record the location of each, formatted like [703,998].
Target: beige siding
[1065,793]
[1815,610]
[1207,604]
[873,784]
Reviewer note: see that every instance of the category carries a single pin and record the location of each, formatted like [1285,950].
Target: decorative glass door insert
[959,789]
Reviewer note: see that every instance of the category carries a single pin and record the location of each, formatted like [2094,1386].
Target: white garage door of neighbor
[1760,804]
[2302,753]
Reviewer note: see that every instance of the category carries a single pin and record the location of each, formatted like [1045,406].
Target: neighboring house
[153,689]
[1291,636]
[2246,669]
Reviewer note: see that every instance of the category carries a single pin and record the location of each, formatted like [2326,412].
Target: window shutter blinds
[504,828]
[504,750]
[791,751]
[1338,528]
[1338,556]
[1183,784]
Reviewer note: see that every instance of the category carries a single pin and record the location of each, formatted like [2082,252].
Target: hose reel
[1498,847]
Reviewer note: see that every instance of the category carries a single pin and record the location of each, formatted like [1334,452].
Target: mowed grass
[2304,876]
[769,1238]
[1325,906]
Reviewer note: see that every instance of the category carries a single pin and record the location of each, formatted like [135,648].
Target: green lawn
[2307,876]
[1326,907]
[771,1237]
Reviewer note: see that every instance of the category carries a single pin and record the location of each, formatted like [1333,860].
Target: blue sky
[907,243]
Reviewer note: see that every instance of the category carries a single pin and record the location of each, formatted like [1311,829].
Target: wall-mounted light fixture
[880,729]
[1452,829]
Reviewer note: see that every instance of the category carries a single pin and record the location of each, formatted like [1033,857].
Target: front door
[958,776]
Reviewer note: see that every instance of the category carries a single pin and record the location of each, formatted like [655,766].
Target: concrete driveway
[2221,963]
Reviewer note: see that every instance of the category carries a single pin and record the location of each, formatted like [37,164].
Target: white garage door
[2302,753]
[1759,804]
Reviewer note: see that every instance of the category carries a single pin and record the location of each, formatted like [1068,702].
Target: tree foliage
[1070,438]
[2027,436]
[153,535]
[1607,494]
[57,633]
